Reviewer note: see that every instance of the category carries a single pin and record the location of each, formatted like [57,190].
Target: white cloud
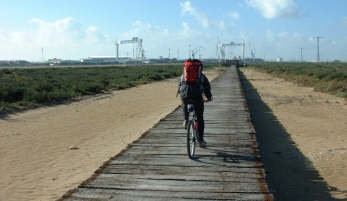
[202,17]
[60,31]
[93,35]
[66,32]
[234,15]
[185,27]
[64,38]
[285,38]
[271,36]
[299,37]
[275,8]
[222,25]
[245,36]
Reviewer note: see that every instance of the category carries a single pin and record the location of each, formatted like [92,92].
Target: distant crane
[196,50]
[217,52]
[134,40]
[140,52]
[221,49]
[252,52]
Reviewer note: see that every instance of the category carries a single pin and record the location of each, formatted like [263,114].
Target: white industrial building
[104,59]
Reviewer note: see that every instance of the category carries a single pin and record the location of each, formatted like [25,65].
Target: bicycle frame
[192,132]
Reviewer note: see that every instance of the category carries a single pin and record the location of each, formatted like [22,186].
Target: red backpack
[192,71]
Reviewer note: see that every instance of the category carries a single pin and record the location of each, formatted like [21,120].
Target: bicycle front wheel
[191,141]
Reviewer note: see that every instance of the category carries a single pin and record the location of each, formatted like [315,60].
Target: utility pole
[189,52]
[318,37]
[42,57]
[301,53]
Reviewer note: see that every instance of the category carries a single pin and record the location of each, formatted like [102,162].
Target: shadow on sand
[289,174]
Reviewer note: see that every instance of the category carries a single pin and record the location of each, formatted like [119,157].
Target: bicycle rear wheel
[191,141]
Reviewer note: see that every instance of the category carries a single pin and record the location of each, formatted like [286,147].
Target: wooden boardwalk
[157,167]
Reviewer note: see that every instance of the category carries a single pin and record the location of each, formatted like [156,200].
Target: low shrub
[23,87]
[325,77]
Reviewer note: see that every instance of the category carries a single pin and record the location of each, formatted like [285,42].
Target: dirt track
[302,137]
[301,134]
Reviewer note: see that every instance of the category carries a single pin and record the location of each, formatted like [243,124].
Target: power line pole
[42,57]
[318,37]
[301,52]
[189,52]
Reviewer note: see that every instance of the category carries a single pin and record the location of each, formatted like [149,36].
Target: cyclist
[194,92]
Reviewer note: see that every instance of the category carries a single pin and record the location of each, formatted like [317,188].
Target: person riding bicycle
[193,92]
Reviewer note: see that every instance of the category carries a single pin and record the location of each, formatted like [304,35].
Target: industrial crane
[237,44]
[140,52]
[134,40]
[221,49]
[196,50]
[252,52]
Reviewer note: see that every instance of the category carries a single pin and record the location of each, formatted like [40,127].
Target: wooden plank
[116,194]
[107,181]
[156,166]
[225,176]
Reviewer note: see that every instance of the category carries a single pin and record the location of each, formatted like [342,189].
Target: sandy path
[36,161]
[302,136]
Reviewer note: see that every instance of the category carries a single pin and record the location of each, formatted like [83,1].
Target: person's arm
[179,85]
[207,90]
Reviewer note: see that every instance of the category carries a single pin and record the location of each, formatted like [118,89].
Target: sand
[302,137]
[37,162]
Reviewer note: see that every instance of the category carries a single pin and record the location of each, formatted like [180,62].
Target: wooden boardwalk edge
[156,166]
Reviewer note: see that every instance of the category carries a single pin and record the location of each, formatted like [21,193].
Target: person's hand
[208,100]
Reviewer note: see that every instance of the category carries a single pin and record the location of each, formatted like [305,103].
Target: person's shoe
[202,143]
[185,124]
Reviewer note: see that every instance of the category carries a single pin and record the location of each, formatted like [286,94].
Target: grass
[329,78]
[25,87]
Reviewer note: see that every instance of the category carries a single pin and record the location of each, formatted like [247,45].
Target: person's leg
[185,112]
[184,108]
[199,111]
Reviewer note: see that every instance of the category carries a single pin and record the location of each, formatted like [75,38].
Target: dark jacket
[195,89]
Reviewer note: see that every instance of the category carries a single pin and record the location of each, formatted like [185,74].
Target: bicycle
[192,132]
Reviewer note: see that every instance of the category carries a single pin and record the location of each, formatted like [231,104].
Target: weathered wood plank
[156,166]
[111,182]
[86,194]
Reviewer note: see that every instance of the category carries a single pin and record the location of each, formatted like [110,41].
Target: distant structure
[42,57]
[54,61]
[301,52]
[318,37]
[104,59]
[140,52]
[279,59]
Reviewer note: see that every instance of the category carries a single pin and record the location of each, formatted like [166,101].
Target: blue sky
[75,29]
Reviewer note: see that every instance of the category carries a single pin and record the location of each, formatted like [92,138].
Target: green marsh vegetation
[328,78]
[20,88]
